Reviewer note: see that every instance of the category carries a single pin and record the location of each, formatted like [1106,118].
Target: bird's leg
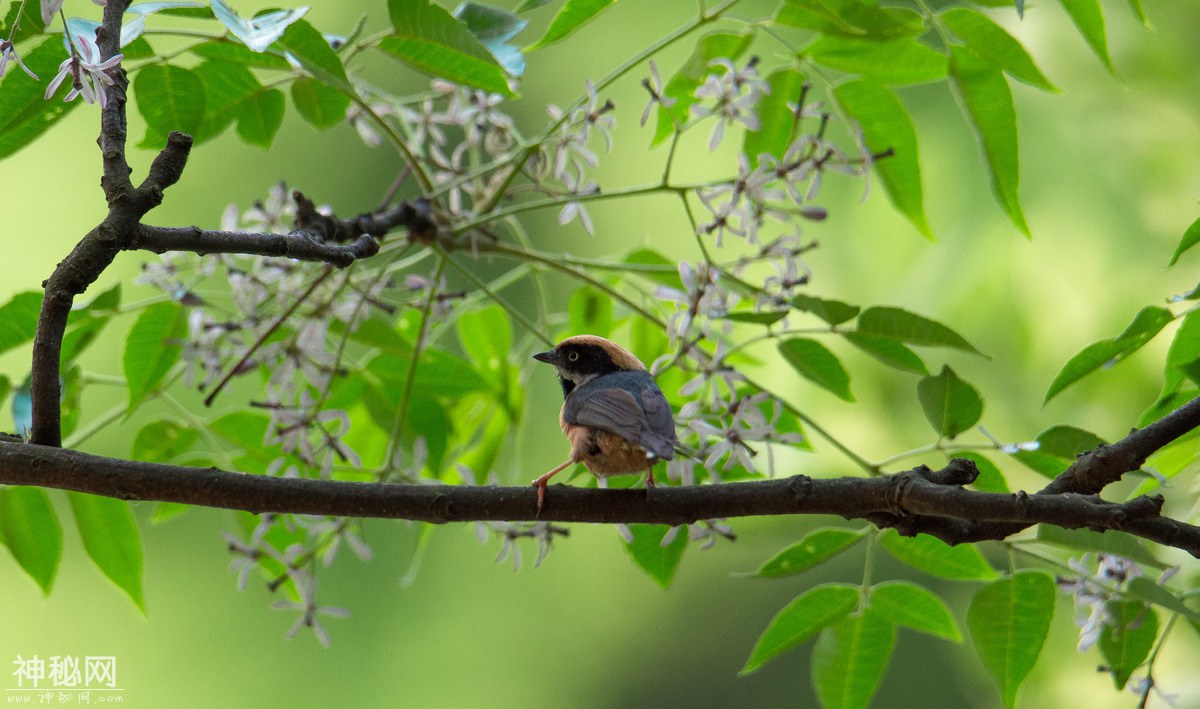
[540,483]
[649,480]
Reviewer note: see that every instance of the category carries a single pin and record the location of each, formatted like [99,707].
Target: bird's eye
[572,356]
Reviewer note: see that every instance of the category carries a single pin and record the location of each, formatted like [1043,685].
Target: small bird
[615,416]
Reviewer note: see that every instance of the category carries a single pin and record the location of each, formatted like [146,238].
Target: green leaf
[227,87]
[24,111]
[817,546]
[1138,12]
[886,125]
[1108,542]
[990,478]
[29,25]
[903,326]
[571,16]
[1162,407]
[850,18]
[890,352]
[239,54]
[1127,638]
[111,539]
[1044,463]
[1150,592]
[816,363]
[1068,441]
[30,529]
[1088,17]
[72,393]
[1146,324]
[167,511]
[79,336]
[260,117]
[308,47]
[849,658]
[989,40]
[18,318]
[248,431]
[655,267]
[1190,238]
[169,97]
[152,347]
[532,5]
[683,84]
[494,28]
[320,104]
[138,49]
[776,120]
[486,336]
[762,317]
[899,62]
[950,405]
[162,441]
[801,619]
[1057,448]
[834,312]
[933,556]
[85,323]
[431,41]
[590,311]
[6,388]
[1184,351]
[988,104]
[914,606]
[1009,619]
[438,373]
[260,32]
[648,552]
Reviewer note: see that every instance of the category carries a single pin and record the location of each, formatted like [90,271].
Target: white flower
[307,587]
[655,86]
[7,52]
[89,76]
[735,94]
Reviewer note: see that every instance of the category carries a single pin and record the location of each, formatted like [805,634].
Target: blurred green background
[1109,182]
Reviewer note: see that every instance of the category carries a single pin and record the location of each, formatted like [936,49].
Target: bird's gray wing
[660,422]
[608,409]
[630,405]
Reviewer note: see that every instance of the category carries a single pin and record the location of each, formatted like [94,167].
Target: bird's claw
[541,494]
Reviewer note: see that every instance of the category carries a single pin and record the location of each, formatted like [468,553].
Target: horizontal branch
[894,500]
[298,244]
[1097,469]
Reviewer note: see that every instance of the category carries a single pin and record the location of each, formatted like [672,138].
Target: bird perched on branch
[615,416]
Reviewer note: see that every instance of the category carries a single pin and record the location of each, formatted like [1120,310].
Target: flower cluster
[301,355]
[510,532]
[452,130]
[323,538]
[1099,581]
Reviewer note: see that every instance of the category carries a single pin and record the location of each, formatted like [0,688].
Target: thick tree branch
[298,244]
[1097,469]
[890,500]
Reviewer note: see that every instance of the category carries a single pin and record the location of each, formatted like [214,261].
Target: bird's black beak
[550,357]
